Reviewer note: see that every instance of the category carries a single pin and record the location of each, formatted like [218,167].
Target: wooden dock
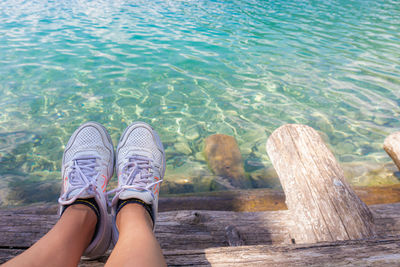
[327,222]
[227,238]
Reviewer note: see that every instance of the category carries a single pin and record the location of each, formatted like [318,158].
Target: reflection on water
[192,69]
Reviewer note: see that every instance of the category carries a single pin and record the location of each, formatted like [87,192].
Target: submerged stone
[176,187]
[183,148]
[265,178]
[370,174]
[224,158]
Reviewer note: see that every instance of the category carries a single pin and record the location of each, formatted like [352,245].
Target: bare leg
[64,244]
[137,245]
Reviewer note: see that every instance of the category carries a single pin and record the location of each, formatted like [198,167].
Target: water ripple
[194,68]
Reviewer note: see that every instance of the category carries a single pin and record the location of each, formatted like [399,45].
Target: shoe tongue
[75,192]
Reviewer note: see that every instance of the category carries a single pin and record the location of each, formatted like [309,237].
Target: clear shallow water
[192,69]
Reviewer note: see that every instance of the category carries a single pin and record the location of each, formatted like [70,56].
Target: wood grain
[321,202]
[347,253]
[194,237]
[194,229]
[382,252]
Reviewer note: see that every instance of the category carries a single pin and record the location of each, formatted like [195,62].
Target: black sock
[122,203]
[91,203]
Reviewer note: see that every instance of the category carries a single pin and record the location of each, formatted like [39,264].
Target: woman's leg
[64,244]
[137,245]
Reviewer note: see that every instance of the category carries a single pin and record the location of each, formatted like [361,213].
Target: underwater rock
[345,147]
[211,183]
[370,174]
[183,148]
[189,176]
[176,187]
[25,190]
[199,156]
[224,159]
[265,178]
[188,184]
[253,141]
[192,134]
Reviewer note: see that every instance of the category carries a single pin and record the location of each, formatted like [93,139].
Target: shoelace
[83,176]
[137,171]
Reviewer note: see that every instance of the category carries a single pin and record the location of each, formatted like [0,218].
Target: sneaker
[140,168]
[87,166]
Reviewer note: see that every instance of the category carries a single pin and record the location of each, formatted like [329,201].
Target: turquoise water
[192,69]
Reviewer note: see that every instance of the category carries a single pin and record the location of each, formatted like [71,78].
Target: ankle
[81,208]
[132,215]
[82,215]
[89,210]
[147,207]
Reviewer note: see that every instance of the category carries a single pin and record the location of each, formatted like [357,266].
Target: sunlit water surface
[192,69]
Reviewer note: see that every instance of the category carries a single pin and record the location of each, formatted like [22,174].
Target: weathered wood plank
[349,253]
[392,146]
[382,252]
[195,229]
[320,200]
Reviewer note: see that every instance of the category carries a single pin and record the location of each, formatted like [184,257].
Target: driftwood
[201,230]
[321,202]
[392,147]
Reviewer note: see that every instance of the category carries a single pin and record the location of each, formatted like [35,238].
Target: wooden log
[225,160]
[346,253]
[321,202]
[392,146]
[377,252]
[194,229]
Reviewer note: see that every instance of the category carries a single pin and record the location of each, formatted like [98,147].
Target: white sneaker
[87,166]
[140,168]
